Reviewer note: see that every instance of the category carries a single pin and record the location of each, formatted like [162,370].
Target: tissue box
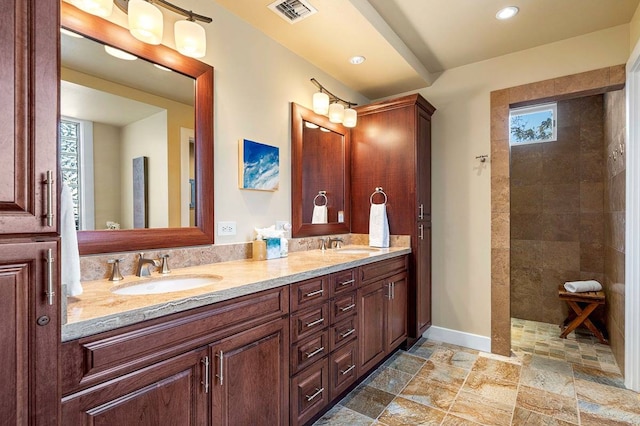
[273,248]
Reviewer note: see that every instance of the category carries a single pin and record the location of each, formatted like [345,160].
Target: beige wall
[146,137]
[106,172]
[634,30]
[461,185]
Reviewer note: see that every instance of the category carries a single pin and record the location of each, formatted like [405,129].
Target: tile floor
[543,383]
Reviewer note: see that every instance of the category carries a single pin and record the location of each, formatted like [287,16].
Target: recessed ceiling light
[507,12]
[357,60]
[120,54]
[160,67]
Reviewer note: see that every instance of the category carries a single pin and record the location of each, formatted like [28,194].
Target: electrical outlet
[226,228]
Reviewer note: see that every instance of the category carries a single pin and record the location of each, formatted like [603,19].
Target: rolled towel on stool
[582,286]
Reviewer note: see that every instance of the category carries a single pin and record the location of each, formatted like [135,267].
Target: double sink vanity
[276,340]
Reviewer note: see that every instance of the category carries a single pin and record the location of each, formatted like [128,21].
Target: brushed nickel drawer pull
[314,353]
[348,370]
[316,322]
[421,212]
[317,393]
[220,374]
[393,290]
[343,283]
[50,288]
[347,333]
[49,181]
[205,382]
[314,293]
[421,227]
[348,308]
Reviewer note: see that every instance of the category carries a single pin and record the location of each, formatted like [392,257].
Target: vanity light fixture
[507,12]
[146,22]
[325,102]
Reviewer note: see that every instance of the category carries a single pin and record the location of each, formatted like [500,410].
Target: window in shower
[533,124]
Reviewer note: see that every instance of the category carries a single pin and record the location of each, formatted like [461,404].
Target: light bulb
[336,112]
[145,21]
[350,117]
[191,39]
[321,103]
[100,8]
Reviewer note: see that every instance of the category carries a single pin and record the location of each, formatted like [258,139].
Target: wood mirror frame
[105,241]
[299,115]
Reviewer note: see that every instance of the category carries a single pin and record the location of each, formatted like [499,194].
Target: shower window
[533,124]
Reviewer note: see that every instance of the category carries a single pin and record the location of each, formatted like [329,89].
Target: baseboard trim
[460,338]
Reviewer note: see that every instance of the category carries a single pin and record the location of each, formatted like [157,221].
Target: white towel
[319,214]
[378,226]
[70,271]
[582,286]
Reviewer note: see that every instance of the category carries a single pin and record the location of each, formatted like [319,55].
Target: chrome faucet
[143,266]
[335,242]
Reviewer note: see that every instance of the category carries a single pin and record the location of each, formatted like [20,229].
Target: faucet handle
[323,244]
[165,264]
[115,271]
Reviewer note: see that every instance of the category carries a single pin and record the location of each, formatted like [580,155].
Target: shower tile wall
[557,211]
[614,219]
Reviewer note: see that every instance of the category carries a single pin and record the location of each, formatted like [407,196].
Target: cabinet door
[29,355]
[423,165]
[396,310]
[372,335]
[29,34]
[250,377]
[171,392]
[423,277]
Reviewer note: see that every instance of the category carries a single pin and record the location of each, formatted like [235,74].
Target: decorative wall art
[259,166]
[140,193]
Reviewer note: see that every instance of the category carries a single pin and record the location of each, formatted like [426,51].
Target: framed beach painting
[259,166]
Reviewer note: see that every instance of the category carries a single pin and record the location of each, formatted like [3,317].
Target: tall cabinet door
[423,279]
[30,333]
[29,33]
[250,376]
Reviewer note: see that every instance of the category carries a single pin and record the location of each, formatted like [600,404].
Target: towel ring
[378,191]
[321,195]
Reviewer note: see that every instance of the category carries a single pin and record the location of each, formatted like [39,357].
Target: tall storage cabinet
[391,148]
[29,241]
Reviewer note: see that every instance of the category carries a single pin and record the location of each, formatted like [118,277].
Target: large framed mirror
[320,187]
[145,179]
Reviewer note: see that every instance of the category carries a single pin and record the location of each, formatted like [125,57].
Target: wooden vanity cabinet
[383,310]
[391,148]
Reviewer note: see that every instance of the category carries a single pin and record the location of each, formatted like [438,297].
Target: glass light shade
[350,117]
[191,39]
[321,103]
[145,21]
[336,112]
[100,8]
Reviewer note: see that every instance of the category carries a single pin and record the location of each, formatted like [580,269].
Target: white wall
[106,170]
[461,200]
[146,137]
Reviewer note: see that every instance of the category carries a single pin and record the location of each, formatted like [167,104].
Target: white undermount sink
[168,284]
[357,250]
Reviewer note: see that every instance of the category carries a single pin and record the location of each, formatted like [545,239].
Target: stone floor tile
[481,410]
[550,404]
[549,381]
[608,402]
[496,368]
[588,419]
[460,357]
[598,375]
[522,417]
[405,362]
[443,374]
[451,420]
[389,380]
[343,416]
[431,393]
[554,365]
[367,400]
[402,411]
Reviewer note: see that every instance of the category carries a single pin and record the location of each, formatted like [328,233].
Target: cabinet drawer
[94,359]
[344,281]
[342,369]
[343,307]
[309,392]
[308,293]
[343,332]
[307,322]
[378,270]
[309,350]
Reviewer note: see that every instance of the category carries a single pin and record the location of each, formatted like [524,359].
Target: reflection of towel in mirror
[319,214]
[70,264]
[378,226]
[582,286]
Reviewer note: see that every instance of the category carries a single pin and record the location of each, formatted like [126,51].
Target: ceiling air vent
[292,11]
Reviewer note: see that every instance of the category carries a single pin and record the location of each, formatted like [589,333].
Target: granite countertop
[98,309]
